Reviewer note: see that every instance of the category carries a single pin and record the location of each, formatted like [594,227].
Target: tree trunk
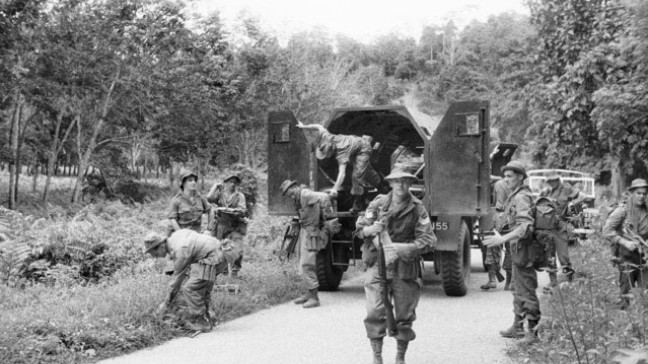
[35,176]
[14,132]
[617,182]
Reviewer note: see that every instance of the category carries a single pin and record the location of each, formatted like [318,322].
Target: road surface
[449,330]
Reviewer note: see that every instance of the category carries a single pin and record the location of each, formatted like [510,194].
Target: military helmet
[553,176]
[185,175]
[515,166]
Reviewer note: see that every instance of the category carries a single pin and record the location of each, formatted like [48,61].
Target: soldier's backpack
[545,214]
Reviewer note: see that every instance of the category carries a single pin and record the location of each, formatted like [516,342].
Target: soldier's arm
[523,221]
[172,215]
[214,193]
[341,175]
[613,224]
[180,263]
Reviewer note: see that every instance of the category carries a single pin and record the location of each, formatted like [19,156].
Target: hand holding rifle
[385,255]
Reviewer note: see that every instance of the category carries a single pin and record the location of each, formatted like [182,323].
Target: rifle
[290,240]
[384,289]
[230,211]
[629,233]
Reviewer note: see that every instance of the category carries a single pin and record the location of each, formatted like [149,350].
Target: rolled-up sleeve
[613,224]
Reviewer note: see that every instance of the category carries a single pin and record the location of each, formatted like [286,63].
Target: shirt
[187,247]
[188,213]
[348,146]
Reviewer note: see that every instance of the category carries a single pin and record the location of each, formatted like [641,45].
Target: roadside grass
[88,292]
[583,322]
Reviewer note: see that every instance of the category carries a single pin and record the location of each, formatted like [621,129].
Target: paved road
[449,330]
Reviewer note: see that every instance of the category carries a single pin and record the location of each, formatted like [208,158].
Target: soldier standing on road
[347,149]
[409,227]
[518,209]
[231,212]
[562,196]
[207,257]
[310,206]
[494,253]
[187,207]
[625,221]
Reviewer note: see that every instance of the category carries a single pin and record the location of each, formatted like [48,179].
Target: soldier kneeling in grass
[206,257]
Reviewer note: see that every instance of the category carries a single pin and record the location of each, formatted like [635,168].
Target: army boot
[313,300]
[491,280]
[507,284]
[516,330]
[358,204]
[401,348]
[531,336]
[301,299]
[376,346]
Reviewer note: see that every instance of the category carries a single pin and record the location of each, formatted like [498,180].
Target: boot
[376,346]
[553,280]
[516,330]
[357,204]
[301,299]
[313,300]
[491,280]
[531,336]
[507,285]
[401,348]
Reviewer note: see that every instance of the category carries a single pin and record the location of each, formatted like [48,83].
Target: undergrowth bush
[583,322]
[76,286]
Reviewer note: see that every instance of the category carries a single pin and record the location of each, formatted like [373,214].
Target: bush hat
[152,241]
[185,175]
[285,186]
[324,147]
[234,177]
[400,171]
[638,183]
[515,166]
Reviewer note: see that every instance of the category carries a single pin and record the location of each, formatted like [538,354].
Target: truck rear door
[288,158]
[460,167]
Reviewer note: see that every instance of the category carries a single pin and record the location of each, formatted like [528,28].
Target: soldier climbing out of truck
[348,149]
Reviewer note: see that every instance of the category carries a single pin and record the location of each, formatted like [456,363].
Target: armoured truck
[450,159]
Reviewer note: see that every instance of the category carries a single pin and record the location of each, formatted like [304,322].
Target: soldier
[310,206]
[231,213]
[187,207]
[207,256]
[621,230]
[407,224]
[347,149]
[494,254]
[518,209]
[562,196]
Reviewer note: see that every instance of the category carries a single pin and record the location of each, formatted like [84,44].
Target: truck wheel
[328,275]
[455,266]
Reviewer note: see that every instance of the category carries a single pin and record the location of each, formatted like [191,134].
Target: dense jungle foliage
[137,89]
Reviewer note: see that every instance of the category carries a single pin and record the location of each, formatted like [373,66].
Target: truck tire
[328,275]
[455,265]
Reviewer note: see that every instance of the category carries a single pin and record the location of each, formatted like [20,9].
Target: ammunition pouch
[531,252]
[208,269]
[314,239]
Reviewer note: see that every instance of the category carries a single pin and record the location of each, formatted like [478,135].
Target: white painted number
[440,225]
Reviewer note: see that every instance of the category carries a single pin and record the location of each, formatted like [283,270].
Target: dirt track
[449,330]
